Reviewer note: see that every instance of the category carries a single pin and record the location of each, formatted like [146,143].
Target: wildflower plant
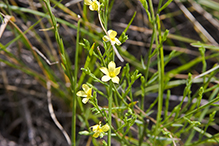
[117,95]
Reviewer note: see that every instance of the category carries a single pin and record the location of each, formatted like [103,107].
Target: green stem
[159,5]
[152,10]
[120,96]
[106,14]
[149,53]
[160,56]
[73,130]
[152,39]
[110,112]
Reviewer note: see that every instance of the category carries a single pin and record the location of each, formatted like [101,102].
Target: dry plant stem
[48,39]
[41,54]
[207,15]
[28,119]
[198,27]
[170,48]
[52,114]
[30,45]
[114,48]
[4,24]
[4,77]
[21,90]
[207,72]
[72,3]
[150,31]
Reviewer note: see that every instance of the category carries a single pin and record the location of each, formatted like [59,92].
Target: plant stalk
[73,130]
[110,112]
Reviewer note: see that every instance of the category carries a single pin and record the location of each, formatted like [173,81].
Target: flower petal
[104,70]
[87,2]
[111,66]
[96,5]
[112,34]
[95,128]
[85,87]
[105,128]
[117,70]
[81,94]
[106,38]
[105,78]
[85,100]
[96,134]
[115,79]
[89,93]
[117,42]
[91,7]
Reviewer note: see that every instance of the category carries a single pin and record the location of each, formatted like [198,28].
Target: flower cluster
[100,130]
[110,73]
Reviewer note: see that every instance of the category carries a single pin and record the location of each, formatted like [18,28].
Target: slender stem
[110,112]
[73,130]
[149,53]
[152,10]
[52,113]
[114,48]
[152,39]
[159,5]
[106,14]
[160,56]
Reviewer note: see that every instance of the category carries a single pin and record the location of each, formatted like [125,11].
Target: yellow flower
[87,93]
[99,131]
[111,73]
[94,5]
[112,36]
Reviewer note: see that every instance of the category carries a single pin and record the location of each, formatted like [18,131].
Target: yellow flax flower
[87,93]
[94,5]
[100,131]
[111,73]
[112,36]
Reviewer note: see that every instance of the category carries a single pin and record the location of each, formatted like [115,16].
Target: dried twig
[207,72]
[41,54]
[28,119]
[198,27]
[52,114]
[72,2]
[4,23]
[171,48]
[207,15]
